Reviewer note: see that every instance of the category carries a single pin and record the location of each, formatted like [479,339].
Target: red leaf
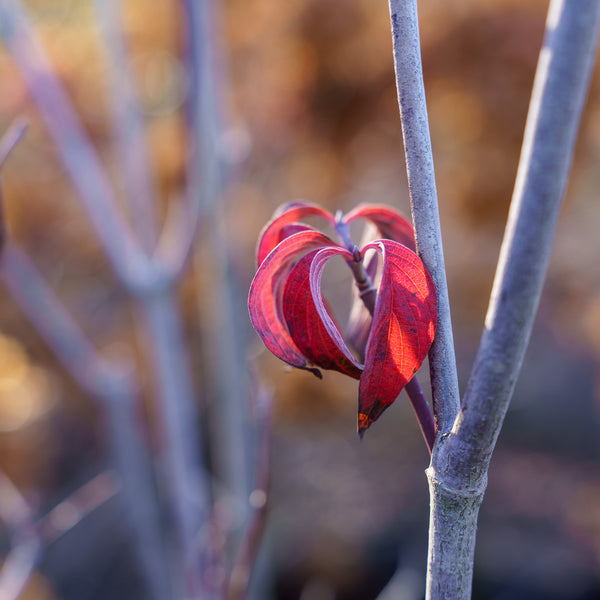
[391,224]
[266,292]
[402,330]
[310,322]
[276,229]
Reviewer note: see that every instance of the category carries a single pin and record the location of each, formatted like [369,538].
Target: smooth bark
[424,205]
[460,461]
[466,437]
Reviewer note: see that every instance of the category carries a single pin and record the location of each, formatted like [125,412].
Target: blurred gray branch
[31,533]
[148,261]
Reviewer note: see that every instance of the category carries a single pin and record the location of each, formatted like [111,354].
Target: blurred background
[309,107]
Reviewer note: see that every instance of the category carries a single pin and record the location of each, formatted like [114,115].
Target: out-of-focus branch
[177,239]
[143,277]
[424,205]
[30,536]
[128,127]
[104,381]
[76,151]
[205,172]
[76,507]
[187,485]
[206,165]
[11,138]
[26,544]
[239,579]
[93,373]
[18,567]
[209,171]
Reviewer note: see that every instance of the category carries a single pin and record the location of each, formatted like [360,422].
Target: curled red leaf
[293,319]
[390,223]
[266,295]
[402,331]
[277,229]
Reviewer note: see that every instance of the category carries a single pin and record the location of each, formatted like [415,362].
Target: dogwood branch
[11,138]
[144,277]
[128,126]
[423,197]
[30,535]
[140,273]
[210,171]
[76,151]
[460,461]
[20,562]
[561,83]
[239,578]
[204,172]
[102,381]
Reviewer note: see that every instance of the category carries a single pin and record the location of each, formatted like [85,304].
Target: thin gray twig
[11,138]
[128,126]
[20,562]
[76,151]
[103,381]
[424,205]
[239,579]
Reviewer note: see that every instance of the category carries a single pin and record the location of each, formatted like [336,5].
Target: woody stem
[415,394]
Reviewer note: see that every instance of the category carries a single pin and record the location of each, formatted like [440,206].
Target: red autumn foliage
[290,314]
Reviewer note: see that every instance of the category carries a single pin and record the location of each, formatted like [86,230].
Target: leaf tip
[315,372]
[364,422]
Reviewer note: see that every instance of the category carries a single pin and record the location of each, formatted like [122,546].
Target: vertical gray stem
[115,389]
[182,464]
[424,206]
[78,155]
[560,87]
[460,460]
[128,126]
[455,514]
[230,435]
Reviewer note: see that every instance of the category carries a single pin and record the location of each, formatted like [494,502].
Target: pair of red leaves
[289,313]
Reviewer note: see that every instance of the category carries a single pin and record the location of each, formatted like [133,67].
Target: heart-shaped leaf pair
[290,314]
